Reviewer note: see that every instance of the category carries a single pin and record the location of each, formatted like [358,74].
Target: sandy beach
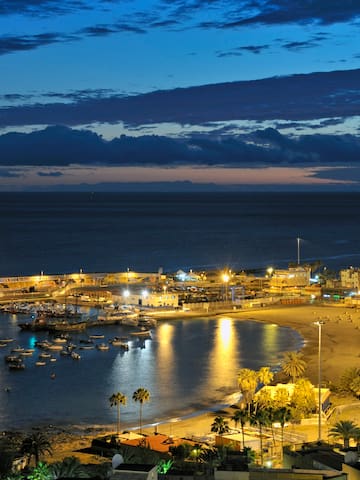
[340,349]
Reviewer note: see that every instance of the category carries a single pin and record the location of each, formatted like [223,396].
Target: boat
[16,366]
[87,347]
[18,349]
[96,336]
[75,356]
[141,333]
[6,340]
[118,342]
[44,355]
[102,347]
[40,323]
[27,353]
[67,327]
[54,346]
[12,359]
[40,363]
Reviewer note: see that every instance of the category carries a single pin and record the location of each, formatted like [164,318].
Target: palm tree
[345,429]
[141,395]
[242,416]
[282,415]
[70,467]
[265,375]
[117,399]
[293,365]
[260,418]
[220,425]
[35,445]
[247,381]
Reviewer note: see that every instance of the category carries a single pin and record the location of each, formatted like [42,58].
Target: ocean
[105,232]
[187,365]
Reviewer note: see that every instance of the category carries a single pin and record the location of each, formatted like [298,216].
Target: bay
[187,366]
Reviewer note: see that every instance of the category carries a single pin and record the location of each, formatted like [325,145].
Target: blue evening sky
[179,94]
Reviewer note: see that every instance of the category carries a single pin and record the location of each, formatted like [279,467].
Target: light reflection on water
[187,365]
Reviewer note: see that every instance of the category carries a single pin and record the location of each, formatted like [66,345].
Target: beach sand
[340,349]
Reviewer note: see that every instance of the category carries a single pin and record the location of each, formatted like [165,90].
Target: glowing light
[126,293]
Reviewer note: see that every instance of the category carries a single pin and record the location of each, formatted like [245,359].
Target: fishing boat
[16,366]
[67,327]
[141,333]
[119,342]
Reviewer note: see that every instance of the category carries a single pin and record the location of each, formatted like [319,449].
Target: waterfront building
[298,277]
[350,278]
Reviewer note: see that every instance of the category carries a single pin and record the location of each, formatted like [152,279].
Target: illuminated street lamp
[226,278]
[319,324]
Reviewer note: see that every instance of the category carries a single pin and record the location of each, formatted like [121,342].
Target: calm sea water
[187,365]
[61,233]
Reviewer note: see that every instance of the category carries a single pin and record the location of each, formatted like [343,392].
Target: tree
[117,399]
[349,380]
[220,425]
[281,398]
[141,395]
[247,381]
[70,467]
[35,445]
[282,415]
[260,418]
[265,376]
[345,429]
[303,398]
[242,416]
[293,365]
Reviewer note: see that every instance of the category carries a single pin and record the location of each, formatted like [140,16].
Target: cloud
[292,98]
[276,12]
[50,174]
[256,49]
[61,146]
[13,43]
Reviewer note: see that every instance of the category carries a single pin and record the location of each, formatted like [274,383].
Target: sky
[179,95]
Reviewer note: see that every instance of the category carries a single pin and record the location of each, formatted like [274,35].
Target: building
[298,277]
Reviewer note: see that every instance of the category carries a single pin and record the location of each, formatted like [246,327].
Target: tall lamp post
[319,324]
[226,278]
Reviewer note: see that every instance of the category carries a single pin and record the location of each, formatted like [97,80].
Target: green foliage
[164,466]
[303,398]
[220,425]
[13,476]
[293,365]
[70,467]
[345,429]
[141,395]
[40,472]
[35,445]
[350,381]
[181,452]
[116,400]
[247,381]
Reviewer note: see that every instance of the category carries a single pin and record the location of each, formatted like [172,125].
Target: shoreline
[339,351]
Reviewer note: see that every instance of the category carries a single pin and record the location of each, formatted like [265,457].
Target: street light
[226,279]
[319,324]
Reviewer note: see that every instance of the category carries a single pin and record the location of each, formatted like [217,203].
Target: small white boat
[39,363]
[102,347]
[53,346]
[96,336]
[18,349]
[141,333]
[75,356]
[44,355]
[6,340]
[26,353]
